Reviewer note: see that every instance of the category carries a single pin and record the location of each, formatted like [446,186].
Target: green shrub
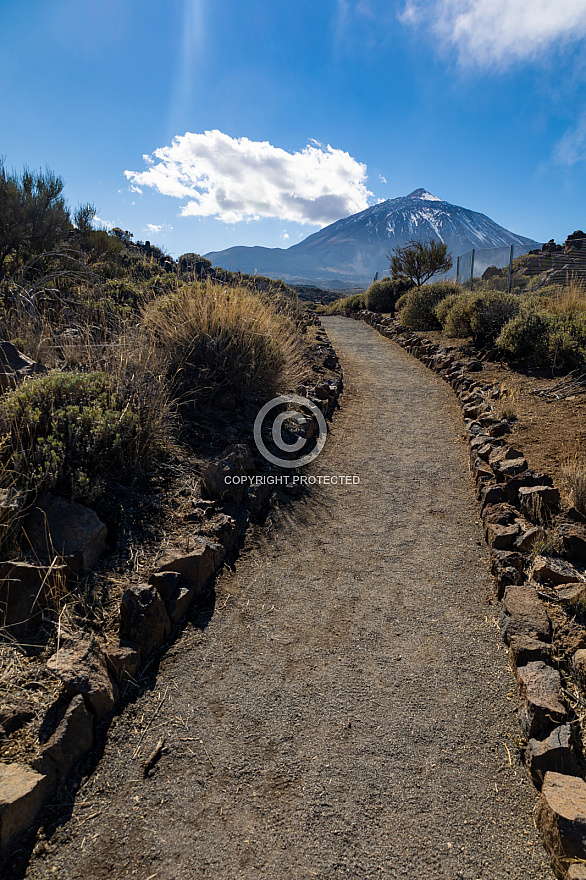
[556,340]
[567,339]
[489,312]
[68,431]
[564,350]
[34,216]
[124,297]
[100,245]
[457,320]
[417,307]
[519,282]
[401,301]
[382,295]
[480,315]
[347,304]
[526,338]
[443,307]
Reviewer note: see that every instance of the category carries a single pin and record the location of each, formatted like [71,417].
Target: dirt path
[346,711]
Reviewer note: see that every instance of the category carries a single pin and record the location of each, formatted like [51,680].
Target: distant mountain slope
[350,251]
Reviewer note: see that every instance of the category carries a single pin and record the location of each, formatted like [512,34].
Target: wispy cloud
[500,33]
[571,147]
[103,224]
[156,228]
[237,179]
[368,22]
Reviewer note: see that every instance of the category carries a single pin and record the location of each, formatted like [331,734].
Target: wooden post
[472,269]
[509,282]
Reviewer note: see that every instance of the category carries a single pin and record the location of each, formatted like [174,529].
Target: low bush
[418,305]
[347,304]
[444,307]
[525,337]
[401,301]
[457,319]
[519,282]
[71,431]
[214,338]
[480,315]
[382,295]
[545,339]
[489,312]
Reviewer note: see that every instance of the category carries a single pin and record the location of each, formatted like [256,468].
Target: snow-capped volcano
[424,195]
[351,251]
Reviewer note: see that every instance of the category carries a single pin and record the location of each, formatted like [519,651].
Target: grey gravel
[348,711]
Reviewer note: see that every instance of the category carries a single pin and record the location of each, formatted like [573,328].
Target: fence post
[509,282]
[458,271]
[472,269]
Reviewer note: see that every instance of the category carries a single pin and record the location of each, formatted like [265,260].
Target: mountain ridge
[352,250]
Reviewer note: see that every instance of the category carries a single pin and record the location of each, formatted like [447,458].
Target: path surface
[346,712]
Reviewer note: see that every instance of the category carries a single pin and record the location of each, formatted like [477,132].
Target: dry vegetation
[151,366]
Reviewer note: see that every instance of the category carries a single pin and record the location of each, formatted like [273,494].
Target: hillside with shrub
[134,369]
[538,324]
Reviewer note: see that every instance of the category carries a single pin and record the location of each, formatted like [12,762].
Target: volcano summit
[350,251]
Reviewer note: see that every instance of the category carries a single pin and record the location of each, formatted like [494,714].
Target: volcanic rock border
[93,673]
[538,561]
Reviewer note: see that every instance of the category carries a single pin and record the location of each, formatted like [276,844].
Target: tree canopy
[419,261]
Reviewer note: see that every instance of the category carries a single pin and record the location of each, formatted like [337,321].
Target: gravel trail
[346,711]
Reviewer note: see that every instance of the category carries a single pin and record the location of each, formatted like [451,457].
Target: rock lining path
[346,711]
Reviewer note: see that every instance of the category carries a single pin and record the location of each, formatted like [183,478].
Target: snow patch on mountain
[423,194]
[353,249]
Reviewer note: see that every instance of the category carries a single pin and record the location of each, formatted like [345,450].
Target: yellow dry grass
[223,338]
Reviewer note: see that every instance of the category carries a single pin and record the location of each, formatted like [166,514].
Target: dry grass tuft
[575,474]
[508,398]
[566,300]
[216,338]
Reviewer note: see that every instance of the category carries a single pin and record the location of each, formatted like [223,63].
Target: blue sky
[201,124]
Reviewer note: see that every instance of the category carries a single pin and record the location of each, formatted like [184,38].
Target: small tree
[96,243]
[33,213]
[419,261]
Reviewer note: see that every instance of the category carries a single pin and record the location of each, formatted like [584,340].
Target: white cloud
[499,33]
[237,179]
[571,147]
[382,178]
[102,224]
[284,235]
[411,14]
[154,227]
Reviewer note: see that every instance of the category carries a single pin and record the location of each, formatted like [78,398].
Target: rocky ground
[342,707]
[551,429]
[159,510]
